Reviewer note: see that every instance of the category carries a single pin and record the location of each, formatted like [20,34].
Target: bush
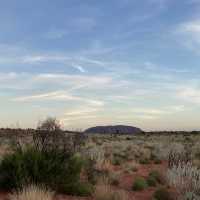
[144,161]
[114,178]
[120,195]
[32,192]
[185,179]
[139,184]
[157,161]
[105,192]
[179,157]
[162,194]
[157,176]
[53,169]
[79,189]
[151,181]
[117,161]
[90,170]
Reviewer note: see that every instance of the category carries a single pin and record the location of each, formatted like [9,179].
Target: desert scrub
[117,160]
[51,160]
[139,184]
[105,192]
[114,177]
[79,189]
[162,194]
[159,178]
[30,166]
[186,179]
[90,171]
[32,192]
[144,161]
[151,181]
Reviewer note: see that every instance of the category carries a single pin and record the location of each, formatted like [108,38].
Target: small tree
[49,124]
[49,135]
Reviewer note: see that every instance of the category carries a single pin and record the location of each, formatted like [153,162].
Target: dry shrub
[95,154]
[114,177]
[130,167]
[186,180]
[104,191]
[179,155]
[121,195]
[4,150]
[32,192]
[106,166]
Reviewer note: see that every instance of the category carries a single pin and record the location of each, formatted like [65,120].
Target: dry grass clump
[32,192]
[186,180]
[4,150]
[114,177]
[104,191]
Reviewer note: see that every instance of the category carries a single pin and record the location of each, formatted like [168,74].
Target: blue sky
[100,62]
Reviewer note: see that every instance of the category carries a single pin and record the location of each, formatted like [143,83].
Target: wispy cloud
[190,94]
[79,68]
[154,113]
[82,111]
[189,34]
[58,96]
[192,29]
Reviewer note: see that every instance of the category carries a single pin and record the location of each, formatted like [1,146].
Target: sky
[92,62]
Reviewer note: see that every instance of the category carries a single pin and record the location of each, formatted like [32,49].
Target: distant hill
[119,129]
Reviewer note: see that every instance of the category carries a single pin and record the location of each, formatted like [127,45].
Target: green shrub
[157,176]
[144,161]
[117,161]
[157,161]
[79,189]
[162,194]
[31,166]
[151,181]
[139,184]
[90,170]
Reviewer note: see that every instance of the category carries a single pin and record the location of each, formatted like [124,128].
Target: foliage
[162,194]
[144,161]
[151,181]
[79,189]
[179,157]
[53,169]
[49,136]
[114,177]
[90,170]
[157,176]
[186,179]
[139,184]
[49,124]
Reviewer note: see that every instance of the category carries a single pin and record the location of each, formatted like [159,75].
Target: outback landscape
[51,164]
[99,99]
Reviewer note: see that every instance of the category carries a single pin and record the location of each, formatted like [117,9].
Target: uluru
[118,129]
